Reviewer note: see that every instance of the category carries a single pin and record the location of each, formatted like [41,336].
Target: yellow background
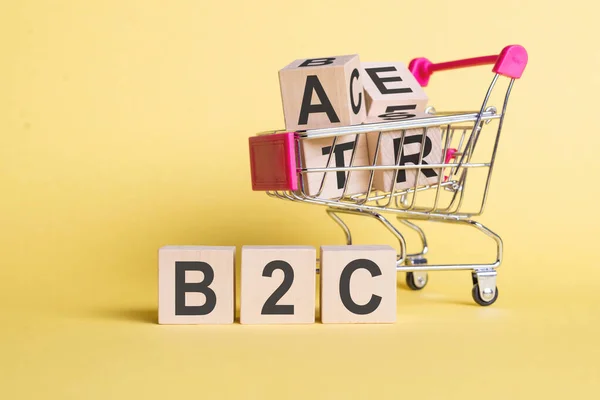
[124,127]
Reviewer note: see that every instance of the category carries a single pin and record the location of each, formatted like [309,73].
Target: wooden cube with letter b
[196,285]
[278,285]
[322,93]
[400,148]
[358,284]
[391,92]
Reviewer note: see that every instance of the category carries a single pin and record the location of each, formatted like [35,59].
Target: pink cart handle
[511,62]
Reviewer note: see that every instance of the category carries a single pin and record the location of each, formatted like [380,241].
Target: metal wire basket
[278,169]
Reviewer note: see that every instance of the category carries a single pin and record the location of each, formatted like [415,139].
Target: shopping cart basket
[277,168]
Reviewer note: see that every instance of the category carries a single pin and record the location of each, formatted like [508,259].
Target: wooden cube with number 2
[278,285]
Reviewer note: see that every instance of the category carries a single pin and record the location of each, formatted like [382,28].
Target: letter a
[313,84]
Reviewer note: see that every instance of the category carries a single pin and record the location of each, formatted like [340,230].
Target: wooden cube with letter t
[404,148]
[322,93]
[278,285]
[391,92]
[358,284]
[196,285]
[317,152]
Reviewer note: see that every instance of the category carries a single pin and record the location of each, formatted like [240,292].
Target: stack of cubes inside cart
[343,91]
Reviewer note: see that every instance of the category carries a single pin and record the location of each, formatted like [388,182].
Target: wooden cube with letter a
[358,284]
[196,285]
[391,92]
[322,93]
[278,285]
[394,150]
[317,152]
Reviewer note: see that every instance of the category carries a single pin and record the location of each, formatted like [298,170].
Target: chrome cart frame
[442,201]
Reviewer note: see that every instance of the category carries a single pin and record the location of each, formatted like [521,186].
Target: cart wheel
[416,280]
[477,296]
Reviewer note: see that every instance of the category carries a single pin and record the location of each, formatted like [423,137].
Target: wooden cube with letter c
[322,93]
[196,285]
[278,285]
[391,92]
[358,284]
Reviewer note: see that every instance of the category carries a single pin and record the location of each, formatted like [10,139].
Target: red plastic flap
[273,162]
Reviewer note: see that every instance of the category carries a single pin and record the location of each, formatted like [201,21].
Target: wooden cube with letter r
[405,148]
[391,92]
[322,93]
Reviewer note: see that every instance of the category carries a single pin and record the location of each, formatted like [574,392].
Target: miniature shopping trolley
[467,159]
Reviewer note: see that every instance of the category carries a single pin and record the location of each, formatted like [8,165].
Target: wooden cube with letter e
[406,148]
[278,285]
[322,93]
[358,284]
[391,92]
[196,285]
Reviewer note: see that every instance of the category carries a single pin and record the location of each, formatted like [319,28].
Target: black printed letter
[345,287]
[339,160]
[313,83]
[355,107]
[380,82]
[181,288]
[313,62]
[412,158]
[396,113]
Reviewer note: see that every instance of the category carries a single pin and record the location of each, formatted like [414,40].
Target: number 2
[271,307]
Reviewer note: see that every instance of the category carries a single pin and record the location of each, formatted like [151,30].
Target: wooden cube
[278,285]
[322,93]
[358,284]
[392,93]
[196,285]
[316,153]
[390,154]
